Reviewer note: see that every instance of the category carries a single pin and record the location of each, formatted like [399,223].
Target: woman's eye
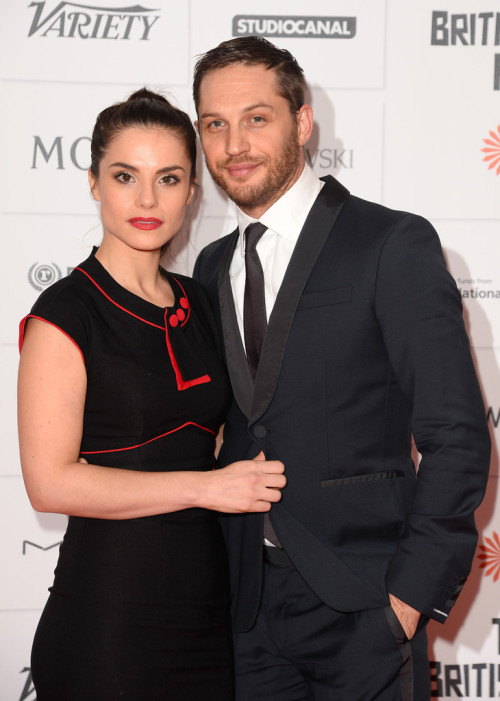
[170,180]
[123,177]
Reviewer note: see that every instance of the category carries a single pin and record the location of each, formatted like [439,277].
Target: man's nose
[237,141]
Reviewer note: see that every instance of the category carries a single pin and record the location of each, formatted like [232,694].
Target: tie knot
[253,234]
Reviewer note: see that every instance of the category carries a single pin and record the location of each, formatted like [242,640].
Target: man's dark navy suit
[365,346]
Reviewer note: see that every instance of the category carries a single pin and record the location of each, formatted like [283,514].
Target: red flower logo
[492,150]
[491,556]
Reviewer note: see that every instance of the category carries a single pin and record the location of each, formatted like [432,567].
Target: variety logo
[473,29]
[490,556]
[294,26]
[42,275]
[492,150]
[77,21]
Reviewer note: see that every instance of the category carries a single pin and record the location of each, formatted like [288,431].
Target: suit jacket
[365,346]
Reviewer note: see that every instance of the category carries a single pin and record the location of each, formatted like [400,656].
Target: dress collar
[133,304]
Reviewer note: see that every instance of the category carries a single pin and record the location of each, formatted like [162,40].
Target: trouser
[301,650]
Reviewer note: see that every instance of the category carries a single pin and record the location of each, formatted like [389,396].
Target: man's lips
[240,170]
[145,223]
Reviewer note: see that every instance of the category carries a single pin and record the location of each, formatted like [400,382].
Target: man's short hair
[255,51]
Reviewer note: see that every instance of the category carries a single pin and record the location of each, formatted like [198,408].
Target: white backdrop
[407,112]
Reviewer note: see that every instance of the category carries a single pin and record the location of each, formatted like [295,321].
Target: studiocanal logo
[492,150]
[472,29]
[77,21]
[298,26]
[41,275]
[490,556]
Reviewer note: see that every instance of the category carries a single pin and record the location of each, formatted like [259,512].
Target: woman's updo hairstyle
[144,108]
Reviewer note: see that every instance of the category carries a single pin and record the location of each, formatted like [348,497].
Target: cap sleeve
[61,306]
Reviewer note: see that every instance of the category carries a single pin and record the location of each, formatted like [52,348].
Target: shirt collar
[287,215]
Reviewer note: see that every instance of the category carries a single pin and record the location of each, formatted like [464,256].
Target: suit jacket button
[259,431]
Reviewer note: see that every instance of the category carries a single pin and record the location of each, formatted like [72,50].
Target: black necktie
[255,320]
[254,305]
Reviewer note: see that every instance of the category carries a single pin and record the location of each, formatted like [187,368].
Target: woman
[121,394]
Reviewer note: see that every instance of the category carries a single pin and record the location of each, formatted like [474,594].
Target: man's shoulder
[378,217]
[370,208]
[360,205]
[216,247]
[209,259]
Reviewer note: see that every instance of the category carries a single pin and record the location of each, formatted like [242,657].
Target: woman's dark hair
[255,51]
[144,108]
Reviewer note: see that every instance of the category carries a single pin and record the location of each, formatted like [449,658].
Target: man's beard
[275,183]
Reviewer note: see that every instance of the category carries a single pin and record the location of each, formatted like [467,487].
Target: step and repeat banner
[406,96]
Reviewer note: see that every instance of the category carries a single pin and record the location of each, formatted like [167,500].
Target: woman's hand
[245,486]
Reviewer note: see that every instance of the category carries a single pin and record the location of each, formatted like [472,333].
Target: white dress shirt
[284,221]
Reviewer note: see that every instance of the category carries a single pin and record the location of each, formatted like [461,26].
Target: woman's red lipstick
[145,223]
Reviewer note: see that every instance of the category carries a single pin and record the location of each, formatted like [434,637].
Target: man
[365,345]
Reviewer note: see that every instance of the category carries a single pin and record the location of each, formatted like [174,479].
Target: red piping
[22,327]
[116,303]
[181,383]
[139,445]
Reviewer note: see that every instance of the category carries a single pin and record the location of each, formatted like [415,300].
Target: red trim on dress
[181,383]
[139,445]
[116,303]
[183,302]
[22,328]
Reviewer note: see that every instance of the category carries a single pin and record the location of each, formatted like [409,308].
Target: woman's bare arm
[51,398]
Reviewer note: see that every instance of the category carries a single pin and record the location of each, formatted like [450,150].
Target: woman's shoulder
[67,293]
[65,305]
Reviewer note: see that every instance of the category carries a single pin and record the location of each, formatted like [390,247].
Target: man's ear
[197,126]
[305,124]
[94,186]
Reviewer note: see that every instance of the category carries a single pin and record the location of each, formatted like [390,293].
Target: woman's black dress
[139,608]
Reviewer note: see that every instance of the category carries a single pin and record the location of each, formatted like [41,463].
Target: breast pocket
[325,298]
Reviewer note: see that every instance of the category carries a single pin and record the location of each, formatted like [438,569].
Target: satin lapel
[312,238]
[239,372]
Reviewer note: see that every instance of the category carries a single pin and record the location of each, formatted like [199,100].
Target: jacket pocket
[358,479]
[325,298]
[364,513]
